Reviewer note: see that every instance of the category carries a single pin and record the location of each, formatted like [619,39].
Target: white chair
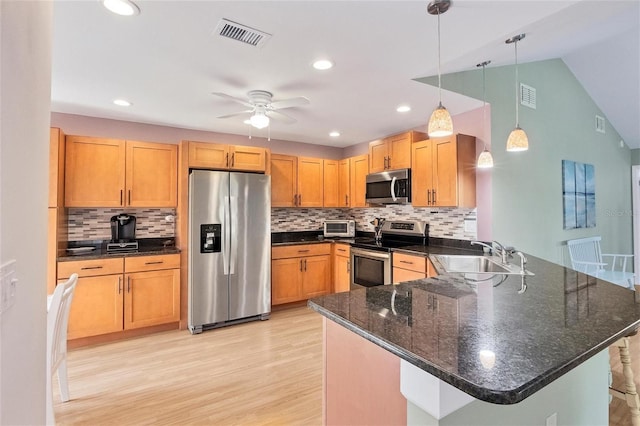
[587,257]
[57,321]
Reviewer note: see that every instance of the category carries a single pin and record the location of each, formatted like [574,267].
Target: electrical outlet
[552,420]
[8,284]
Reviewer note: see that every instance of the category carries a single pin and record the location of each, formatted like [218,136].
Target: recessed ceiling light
[403,108]
[121,7]
[122,102]
[334,134]
[322,64]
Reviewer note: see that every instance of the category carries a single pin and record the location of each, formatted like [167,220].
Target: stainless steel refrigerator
[229,249]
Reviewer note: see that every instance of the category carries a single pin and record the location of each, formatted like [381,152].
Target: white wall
[25,91]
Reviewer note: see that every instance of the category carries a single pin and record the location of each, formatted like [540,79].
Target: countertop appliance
[229,248]
[371,259]
[123,234]
[390,187]
[339,228]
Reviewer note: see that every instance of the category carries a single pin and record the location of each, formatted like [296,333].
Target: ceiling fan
[262,108]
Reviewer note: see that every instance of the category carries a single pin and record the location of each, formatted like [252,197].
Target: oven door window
[368,272]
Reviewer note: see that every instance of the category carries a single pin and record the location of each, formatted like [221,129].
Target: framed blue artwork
[578,195]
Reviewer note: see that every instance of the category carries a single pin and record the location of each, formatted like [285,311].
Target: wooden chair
[586,257]
[57,323]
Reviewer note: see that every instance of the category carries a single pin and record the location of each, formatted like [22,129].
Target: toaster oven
[340,228]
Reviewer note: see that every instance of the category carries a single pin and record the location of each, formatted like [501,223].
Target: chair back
[585,250]
[58,321]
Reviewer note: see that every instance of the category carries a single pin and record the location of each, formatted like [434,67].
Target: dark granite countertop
[303,237]
[147,247]
[490,338]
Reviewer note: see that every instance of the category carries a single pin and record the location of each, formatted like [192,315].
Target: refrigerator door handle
[233,233]
[226,241]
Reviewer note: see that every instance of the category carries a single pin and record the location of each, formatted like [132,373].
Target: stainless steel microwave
[340,228]
[391,187]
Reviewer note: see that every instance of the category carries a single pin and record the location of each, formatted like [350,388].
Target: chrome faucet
[497,249]
[523,261]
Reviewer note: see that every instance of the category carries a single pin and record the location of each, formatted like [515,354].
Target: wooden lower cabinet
[300,272]
[108,300]
[341,268]
[152,298]
[407,267]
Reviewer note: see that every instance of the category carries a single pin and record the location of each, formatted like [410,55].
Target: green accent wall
[527,186]
[635,157]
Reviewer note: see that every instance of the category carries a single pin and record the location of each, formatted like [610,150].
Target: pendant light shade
[440,122]
[485,160]
[518,140]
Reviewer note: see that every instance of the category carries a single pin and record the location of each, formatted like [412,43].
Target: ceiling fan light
[259,120]
[485,160]
[518,140]
[121,7]
[440,123]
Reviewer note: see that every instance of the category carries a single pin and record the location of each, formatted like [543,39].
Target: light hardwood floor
[259,373]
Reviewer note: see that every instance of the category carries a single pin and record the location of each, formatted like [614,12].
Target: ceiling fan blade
[281,116]
[234,99]
[288,103]
[236,114]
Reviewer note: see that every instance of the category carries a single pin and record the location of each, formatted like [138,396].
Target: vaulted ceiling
[169,59]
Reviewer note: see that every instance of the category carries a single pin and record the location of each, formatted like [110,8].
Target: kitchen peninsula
[474,349]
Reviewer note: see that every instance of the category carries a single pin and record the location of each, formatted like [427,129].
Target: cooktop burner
[396,234]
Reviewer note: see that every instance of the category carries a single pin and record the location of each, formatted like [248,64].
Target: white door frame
[635,190]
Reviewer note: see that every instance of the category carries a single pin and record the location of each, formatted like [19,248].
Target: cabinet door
[310,182]
[316,278]
[94,172]
[445,172]
[152,174]
[421,174]
[341,274]
[344,182]
[399,148]
[284,180]
[247,158]
[286,275]
[151,298]
[401,275]
[208,155]
[359,171]
[378,154]
[56,167]
[331,183]
[96,307]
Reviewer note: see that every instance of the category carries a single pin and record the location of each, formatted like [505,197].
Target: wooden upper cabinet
[393,152]
[248,158]
[331,183]
[443,172]
[359,171]
[115,173]
[227,157]
[284,180]
[94,172]
[208,155]
[344,182]
[56,167]
[151,174]
[310,182]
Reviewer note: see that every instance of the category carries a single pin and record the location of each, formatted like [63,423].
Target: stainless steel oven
[370,268]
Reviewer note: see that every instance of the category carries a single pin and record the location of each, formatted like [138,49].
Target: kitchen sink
[476,265]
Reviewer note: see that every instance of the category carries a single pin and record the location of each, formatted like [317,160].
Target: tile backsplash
[94,223]
[443,222]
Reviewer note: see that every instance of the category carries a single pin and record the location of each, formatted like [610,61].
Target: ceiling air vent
[600,124]
[242,33]
[527,96]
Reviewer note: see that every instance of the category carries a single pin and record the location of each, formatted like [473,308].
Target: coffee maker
[123,234]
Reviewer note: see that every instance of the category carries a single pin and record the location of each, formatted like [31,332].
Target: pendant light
[485,160]
[440,123]
[518,140]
